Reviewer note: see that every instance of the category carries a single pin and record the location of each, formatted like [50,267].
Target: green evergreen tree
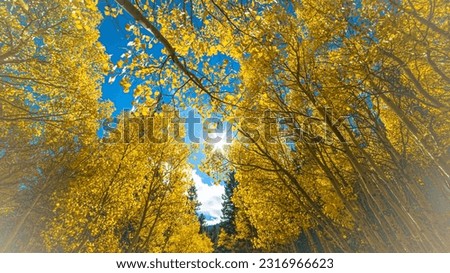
[229,240]
[193,197]
[228,208]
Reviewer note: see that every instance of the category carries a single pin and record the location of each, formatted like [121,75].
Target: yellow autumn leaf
[126,84]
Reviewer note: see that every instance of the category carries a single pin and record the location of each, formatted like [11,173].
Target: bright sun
[220,145]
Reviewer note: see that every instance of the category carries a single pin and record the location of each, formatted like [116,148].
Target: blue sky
[113,37]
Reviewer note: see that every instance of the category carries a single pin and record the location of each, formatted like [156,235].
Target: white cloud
[211,198]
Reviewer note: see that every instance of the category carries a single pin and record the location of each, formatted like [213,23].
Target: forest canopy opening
[323,125]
